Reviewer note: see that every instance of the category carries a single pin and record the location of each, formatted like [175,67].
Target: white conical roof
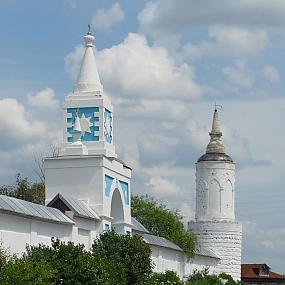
[215,149]
[88,79]
[215,145]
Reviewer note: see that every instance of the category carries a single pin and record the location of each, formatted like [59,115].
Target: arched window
[117,212]
[214,198]
[227,199]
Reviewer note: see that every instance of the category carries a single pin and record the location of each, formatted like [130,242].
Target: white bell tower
[87,167]
[93,109]
[215,224]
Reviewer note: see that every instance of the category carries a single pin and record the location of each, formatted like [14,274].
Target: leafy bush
[162,222]
[25,190]
[114,259]
[71,263]
[166,278]
[204,278]
[128,257]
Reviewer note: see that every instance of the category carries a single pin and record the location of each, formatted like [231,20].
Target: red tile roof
[252,271]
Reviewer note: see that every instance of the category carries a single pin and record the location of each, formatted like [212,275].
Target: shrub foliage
[114,259]
[163,222]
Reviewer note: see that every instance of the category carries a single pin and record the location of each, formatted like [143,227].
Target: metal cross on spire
[217,106]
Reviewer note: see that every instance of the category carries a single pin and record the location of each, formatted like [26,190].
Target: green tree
[204,278]
[114,259]
[18,271]
[72,264]
[3,259]
[163,222]
[128,257]
[168,277]
[25,190]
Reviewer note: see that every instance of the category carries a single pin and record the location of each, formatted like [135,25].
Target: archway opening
[117,212]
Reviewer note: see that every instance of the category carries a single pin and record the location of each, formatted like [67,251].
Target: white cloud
[197,134]
[228,42]
[164,132]
[71,3]
[44,99]
[239,76]
[15,123]
[105,19]
[162,187]
[187,212]
[271,240]
[24,136]
[172,16]
[165,110]
[73,60]
[235,28]
[270,73]
[135,69]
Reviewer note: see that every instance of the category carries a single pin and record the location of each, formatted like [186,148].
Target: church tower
[215,224]
[91,108]
[87,167]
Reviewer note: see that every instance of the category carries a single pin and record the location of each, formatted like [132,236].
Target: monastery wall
[165,259]
[16,232]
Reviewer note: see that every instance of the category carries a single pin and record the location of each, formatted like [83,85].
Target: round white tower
[215,180]
[215,224]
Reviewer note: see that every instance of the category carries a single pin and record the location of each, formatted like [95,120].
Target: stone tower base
[224,239]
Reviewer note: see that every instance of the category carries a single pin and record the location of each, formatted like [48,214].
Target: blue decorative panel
[106,227]
[108,184]
[88,119]
[108,126]
[125,188]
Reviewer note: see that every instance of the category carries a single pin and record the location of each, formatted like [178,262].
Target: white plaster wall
[215,182]
[84,230]
[16,232]
[199,263]
[84,237]
[79,177]
[224,239]
[167,259]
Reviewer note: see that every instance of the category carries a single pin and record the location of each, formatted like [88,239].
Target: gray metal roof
[204,251]
[138,226]
[32,210]
[79,208]
[215,157]
[160,241]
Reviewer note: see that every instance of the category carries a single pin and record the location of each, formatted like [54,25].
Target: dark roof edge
[215,157]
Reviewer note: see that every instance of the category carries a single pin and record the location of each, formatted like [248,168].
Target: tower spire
[88,80]
[215,145]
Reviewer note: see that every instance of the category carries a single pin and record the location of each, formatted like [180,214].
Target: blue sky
[164,64]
